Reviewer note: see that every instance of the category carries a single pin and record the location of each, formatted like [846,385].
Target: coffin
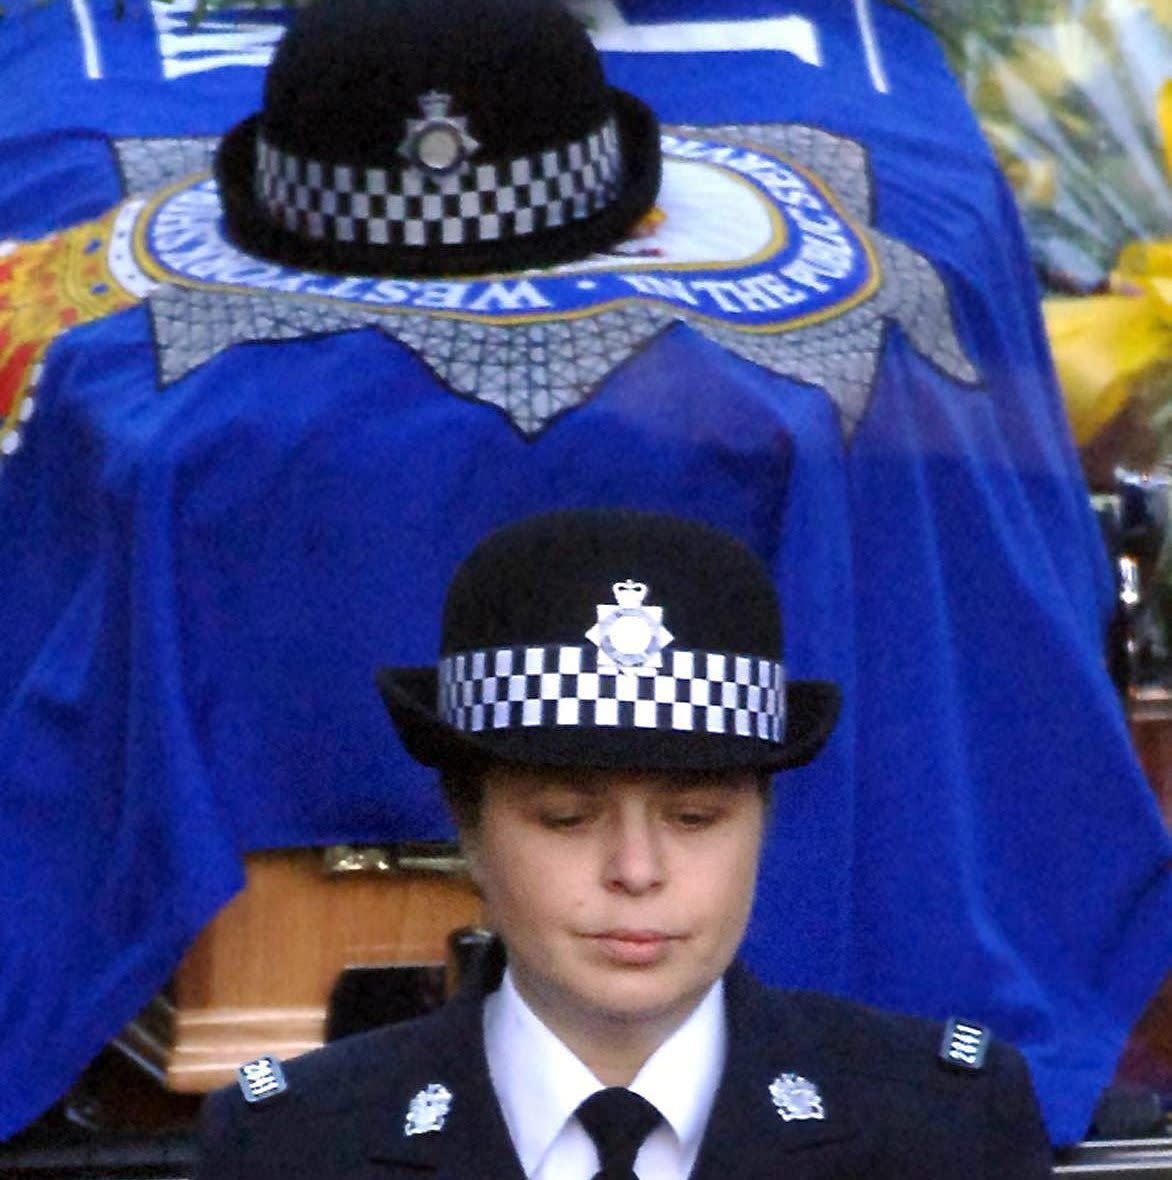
[259,977]
[1147,1059]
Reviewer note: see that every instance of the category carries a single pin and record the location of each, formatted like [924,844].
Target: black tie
[618,1121]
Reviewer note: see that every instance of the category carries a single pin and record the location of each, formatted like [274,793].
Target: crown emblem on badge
[629,634]
[439,143]
[434,104]
[796,1097]
[428,1110]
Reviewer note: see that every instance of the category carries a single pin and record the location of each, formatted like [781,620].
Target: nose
[634,856]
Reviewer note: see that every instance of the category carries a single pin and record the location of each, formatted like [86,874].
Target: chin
[640,996]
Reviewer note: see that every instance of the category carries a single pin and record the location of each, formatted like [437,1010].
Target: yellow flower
[1104,345]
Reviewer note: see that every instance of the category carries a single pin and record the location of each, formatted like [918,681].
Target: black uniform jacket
[891,1107]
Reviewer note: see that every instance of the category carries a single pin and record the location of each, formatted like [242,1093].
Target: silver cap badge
[796,1097]
[428,1110]
[438,143]
[628,634]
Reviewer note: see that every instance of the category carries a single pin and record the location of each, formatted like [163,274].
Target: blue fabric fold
[198,577]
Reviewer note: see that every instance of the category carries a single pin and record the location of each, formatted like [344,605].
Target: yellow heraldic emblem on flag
[47,287]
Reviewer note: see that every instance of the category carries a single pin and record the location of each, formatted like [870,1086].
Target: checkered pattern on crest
[693,692]
[405,206]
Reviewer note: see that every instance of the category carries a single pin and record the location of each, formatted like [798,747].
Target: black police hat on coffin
[431,137]
[610,638]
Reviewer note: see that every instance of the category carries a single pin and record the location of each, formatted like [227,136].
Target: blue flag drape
[230,496]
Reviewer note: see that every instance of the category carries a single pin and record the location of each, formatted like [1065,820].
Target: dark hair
[463,791]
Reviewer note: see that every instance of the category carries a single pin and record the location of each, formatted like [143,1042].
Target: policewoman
[608,709]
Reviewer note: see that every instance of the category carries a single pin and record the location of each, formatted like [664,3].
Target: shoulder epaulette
[965,1045]
[261,1080]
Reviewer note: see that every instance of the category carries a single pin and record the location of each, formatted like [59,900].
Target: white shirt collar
[539,1082]
[681,1077]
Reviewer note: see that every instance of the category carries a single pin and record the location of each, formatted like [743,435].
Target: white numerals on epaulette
[964,1045]
[261,1079]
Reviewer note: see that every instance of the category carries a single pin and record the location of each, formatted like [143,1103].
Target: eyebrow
[581,786]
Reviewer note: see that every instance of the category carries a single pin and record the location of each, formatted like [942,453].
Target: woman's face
[621,896]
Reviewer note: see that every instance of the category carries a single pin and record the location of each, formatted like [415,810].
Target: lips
[634,948]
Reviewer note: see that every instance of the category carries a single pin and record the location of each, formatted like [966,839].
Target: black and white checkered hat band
[693,692]
[405,206]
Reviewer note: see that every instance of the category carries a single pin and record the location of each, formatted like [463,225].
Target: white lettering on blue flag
[612,33]
[186,49]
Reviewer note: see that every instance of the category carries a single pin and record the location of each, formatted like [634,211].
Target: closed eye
[694,821]
[563,821]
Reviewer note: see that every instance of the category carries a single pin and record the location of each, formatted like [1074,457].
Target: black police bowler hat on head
[436,137]
[614,639]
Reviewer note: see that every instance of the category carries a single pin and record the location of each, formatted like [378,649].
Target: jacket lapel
[471,1138]
[765,1123]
